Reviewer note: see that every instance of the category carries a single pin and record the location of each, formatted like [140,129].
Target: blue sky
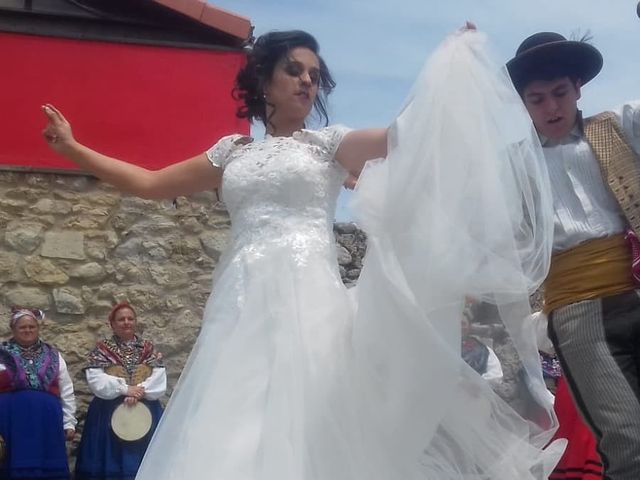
[376,48]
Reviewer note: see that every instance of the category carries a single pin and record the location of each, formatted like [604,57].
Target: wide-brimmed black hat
[545,52]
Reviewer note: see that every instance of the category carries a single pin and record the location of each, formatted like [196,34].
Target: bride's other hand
[468,26]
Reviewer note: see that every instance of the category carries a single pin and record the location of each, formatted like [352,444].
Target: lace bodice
[281,188]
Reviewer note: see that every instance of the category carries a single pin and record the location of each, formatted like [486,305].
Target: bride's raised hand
[468,26]
[57,133]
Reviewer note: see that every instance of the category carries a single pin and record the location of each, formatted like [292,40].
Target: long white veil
[461,208]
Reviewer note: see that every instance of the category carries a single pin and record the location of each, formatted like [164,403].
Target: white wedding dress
[295,378]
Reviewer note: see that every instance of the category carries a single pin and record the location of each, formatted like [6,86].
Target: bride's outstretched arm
[183,178]
[359,146]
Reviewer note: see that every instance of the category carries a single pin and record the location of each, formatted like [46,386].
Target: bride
[290,378]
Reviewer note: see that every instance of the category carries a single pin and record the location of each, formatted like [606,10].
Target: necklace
[30,353]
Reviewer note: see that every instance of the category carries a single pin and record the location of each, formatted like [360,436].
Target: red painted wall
[149,105]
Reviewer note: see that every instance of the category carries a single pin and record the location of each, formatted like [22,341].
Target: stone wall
[74,246]
[352,245]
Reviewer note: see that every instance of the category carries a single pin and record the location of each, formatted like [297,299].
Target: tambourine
[131,422]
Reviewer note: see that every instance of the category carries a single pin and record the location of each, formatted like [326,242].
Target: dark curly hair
[267,51]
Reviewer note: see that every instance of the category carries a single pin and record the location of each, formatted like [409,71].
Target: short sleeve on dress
[328,138]
[219,154]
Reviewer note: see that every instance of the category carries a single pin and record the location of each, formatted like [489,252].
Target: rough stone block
[68,300]
[28,297]
[43,271]
[9,267]
[46,205]
[22,236]
[214,243]
[64,245]
[170,276]
[89,271]
[344,257]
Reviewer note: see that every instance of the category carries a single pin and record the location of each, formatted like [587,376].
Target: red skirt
[581,460]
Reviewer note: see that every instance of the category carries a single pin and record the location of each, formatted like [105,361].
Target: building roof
[211,16]
[195,23]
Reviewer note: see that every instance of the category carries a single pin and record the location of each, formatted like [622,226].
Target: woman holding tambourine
[127,377]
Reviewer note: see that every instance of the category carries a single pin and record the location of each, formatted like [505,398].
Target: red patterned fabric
[581,460]
[634,242]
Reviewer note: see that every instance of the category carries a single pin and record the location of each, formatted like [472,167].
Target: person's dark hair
[265,54]
[548,73]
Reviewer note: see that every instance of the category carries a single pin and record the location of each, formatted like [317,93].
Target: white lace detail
[328,139]
[284,190]
[219,153]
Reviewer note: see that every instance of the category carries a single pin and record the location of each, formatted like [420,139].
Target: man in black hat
[591,294]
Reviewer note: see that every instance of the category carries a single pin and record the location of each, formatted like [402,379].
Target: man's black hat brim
[572,58]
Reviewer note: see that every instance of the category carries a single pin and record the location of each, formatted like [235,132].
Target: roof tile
[190,8]
[215,17]
[226,21]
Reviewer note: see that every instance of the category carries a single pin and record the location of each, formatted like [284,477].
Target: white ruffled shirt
[107,387]
[584,206]
[67,396]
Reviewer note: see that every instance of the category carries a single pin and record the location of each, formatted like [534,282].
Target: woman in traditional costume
[37,403]
[124,371]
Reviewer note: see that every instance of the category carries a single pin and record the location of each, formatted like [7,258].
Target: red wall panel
[148,105]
